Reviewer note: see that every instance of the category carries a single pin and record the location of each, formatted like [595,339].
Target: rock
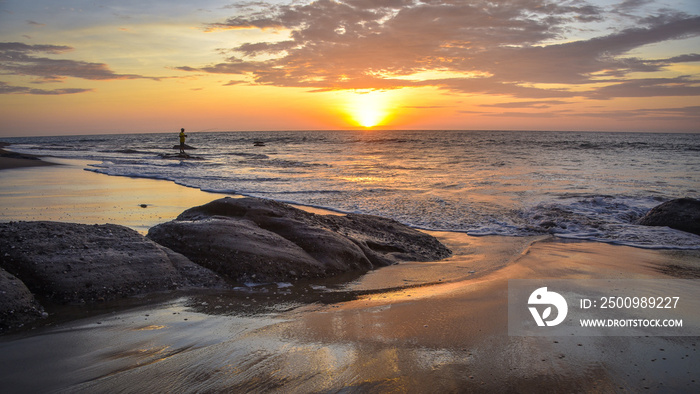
[682,214]
[178,156]
[17,304]
[263,240]
[73,263]
[186,147]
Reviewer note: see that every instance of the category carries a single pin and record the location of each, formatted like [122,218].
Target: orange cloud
[498,48]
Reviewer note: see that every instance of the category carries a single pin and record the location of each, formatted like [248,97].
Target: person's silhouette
[182,140]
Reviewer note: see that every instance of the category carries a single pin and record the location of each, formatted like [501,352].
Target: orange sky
[79,67]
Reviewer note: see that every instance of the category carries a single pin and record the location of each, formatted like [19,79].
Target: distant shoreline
[11,160]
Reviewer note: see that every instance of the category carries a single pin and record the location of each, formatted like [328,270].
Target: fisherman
[182,140]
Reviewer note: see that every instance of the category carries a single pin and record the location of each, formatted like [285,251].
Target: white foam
[584,185]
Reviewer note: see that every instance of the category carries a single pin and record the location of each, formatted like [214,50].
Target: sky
[89,67]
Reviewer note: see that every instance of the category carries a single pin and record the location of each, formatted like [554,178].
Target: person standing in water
[182,140]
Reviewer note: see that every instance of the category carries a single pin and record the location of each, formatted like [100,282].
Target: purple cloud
[9,89]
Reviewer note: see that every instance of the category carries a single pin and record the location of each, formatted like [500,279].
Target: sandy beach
[62,191]
[413,327]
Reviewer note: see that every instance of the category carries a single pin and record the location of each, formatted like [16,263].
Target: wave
[252,156]
[574,185]
[126,151]
[281,163]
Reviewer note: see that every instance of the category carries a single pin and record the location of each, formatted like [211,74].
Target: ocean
[579,185]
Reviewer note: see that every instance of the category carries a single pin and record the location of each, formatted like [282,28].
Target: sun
[368,116]
[368,109]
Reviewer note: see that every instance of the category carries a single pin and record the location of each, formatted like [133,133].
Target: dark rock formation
[17,303]
[263,240]
[180,156]
[241,239]
[682,214]
[186,147]
[70,263]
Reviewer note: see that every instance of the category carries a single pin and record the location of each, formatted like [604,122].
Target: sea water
[583,185]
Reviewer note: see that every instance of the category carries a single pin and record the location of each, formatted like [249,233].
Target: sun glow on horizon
[369,109]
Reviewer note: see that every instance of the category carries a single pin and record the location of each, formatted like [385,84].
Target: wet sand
[412,327]
[68,193]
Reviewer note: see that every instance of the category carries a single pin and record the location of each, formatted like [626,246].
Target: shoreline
[70,193]
[409,327]
[65,192]
[12,160]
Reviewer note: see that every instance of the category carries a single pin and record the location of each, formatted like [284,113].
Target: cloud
[502,48]
[21,59]
[427,106]
[495,86]
[18,47]
[9,89]
[515,114]
[663,114]
[650,87]
[689,112]
[578,62]
[628,7]
[526,104]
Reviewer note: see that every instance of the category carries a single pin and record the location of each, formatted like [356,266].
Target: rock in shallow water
[264,240]
[682,214]
[243,239]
